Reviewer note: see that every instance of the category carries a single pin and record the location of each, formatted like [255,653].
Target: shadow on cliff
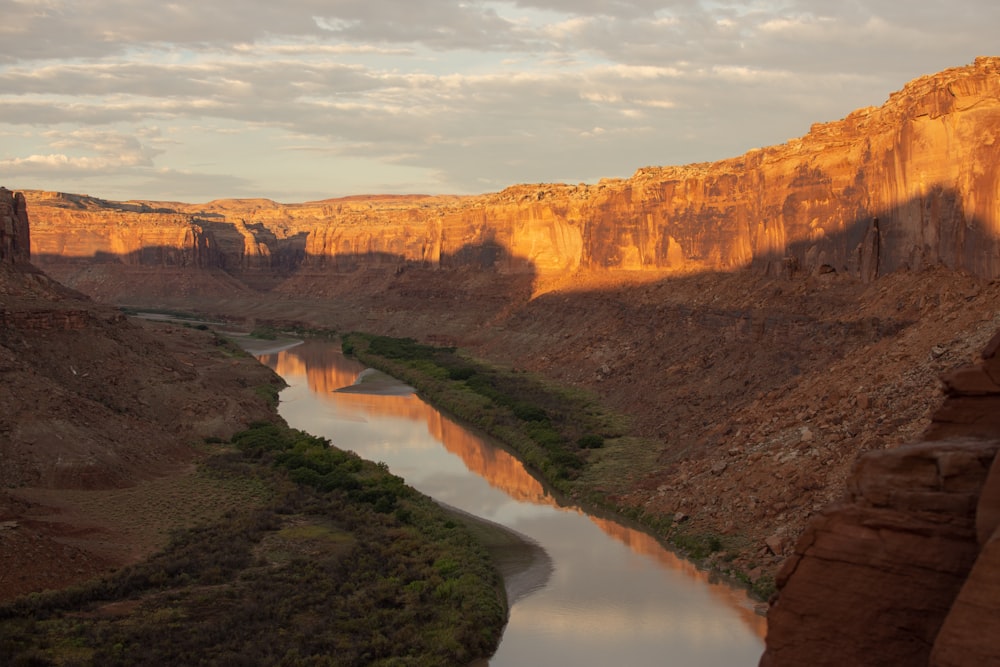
[921,232]
[460,296]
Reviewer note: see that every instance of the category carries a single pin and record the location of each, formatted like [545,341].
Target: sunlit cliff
[908,184]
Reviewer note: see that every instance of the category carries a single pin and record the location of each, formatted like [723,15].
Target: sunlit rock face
[909,184]
[74,228]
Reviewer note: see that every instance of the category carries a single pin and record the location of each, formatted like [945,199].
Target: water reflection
[623,600]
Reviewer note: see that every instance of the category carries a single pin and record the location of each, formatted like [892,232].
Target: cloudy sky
[305,99]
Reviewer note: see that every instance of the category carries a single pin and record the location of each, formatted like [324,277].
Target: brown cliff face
[906,570]
[924,165]
[15,237]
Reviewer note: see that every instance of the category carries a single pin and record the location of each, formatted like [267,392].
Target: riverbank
[615,594]
[269,577]
[523,565]
[579,449]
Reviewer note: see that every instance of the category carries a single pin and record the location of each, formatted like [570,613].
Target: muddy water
[584,590]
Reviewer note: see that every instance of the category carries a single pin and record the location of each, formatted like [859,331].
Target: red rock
[871,581]
[897,569]
[917,165]
[970,381]
[15,237]
[971,632]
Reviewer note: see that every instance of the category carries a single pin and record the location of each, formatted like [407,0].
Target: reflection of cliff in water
[642,543]
[320,362]
[327,370]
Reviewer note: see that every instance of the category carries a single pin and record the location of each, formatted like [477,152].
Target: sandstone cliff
[15,237]
[909,184]
[906,570]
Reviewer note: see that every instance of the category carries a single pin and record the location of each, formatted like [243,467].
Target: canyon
[759,322]
[906,185]
[95,403]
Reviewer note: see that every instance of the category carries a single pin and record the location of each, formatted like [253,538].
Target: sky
[299,100]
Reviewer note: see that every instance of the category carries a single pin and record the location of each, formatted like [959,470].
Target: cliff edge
[15,237]
[907,185]
[905,571]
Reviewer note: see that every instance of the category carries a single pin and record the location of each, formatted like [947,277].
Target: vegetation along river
[582,590]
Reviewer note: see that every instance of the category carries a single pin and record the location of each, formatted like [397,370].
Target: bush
[461,373]
[350,566]
[529,413]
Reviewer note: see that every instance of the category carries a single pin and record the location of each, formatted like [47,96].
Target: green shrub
[461,373]
[349,566]
[529,413]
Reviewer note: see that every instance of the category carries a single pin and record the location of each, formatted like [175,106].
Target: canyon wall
[15,237]
[906,570]
[92,399]
[912,183]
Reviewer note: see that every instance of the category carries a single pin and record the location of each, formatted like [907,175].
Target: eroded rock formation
[909,184]
[15,237]
[906,570]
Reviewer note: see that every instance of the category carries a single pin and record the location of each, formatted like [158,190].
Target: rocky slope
[905,571]
[94,401]
[761,320]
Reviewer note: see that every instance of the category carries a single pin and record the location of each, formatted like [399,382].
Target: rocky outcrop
[906,185]
[970,630]
[973,405]
[906,571]
[15,238]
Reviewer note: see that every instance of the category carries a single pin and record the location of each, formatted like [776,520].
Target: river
[587,591]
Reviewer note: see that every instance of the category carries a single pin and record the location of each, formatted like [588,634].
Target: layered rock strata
[906,185]
[15,237]
[906,571]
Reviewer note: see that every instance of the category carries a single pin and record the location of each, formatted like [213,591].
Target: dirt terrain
[103,419]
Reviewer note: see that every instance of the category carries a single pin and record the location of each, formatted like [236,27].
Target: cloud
[444,95]
[85,151]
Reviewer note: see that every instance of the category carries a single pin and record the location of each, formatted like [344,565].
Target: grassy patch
[615,466]
[264,333]
[269,392]
[556,431]
[347,566]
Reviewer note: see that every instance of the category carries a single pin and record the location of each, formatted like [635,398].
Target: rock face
[90,399]
[906,571]
[910,184]
[15,238]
